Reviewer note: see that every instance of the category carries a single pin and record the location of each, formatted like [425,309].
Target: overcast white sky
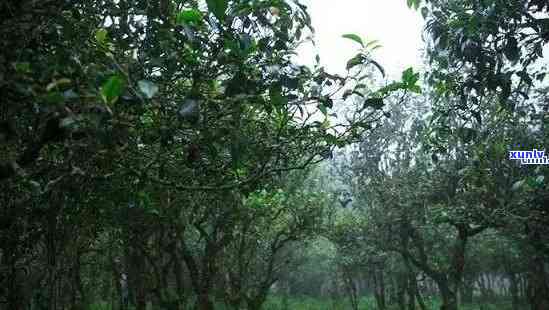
[397,28]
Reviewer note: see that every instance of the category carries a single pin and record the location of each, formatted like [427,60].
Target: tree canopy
[175,154]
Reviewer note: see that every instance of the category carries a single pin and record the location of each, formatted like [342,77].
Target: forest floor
[366,303]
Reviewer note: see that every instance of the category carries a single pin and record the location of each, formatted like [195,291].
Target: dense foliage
[173,154]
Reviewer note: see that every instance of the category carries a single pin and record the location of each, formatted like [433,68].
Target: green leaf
[218,8]
[112,89]
[189,17]
[394,86]
[376,103]
[512,51]
[414,4]
[505,94]
[355,61]
[277,99]
[148,88]
[327,101]
[355,38]
[54,98]
[101,36]
[409,77]
[373,44]
[22,67]
[415,89]
[424,12]
[246,43]
[323,109]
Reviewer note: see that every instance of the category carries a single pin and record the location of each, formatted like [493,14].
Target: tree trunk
[420,300]
[514,291]
[285,297]
[449,298]
[413,290]
[179,284]
[538,292]
[137,270]
[204,302]
[401,282]
[467,290]
[379,289]
[350,287]
[79,294]
[414,294]
[15,300]
[51,246]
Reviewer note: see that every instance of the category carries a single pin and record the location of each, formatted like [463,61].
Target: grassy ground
[307,303]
